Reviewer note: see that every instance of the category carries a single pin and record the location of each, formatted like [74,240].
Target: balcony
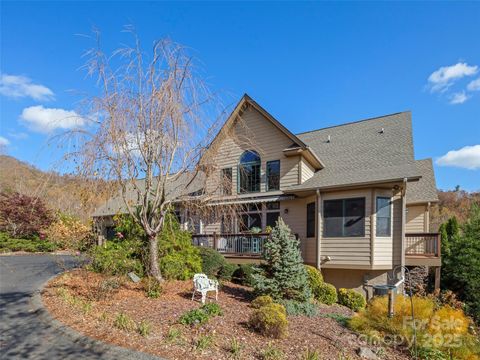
[246,246]
[422,249]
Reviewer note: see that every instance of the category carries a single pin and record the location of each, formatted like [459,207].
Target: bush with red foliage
[23,215]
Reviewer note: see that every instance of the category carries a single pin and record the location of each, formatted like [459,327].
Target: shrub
[260,301]
[212,261]
[117,258]
[106,288]
[22,215]
[201,315]
[179,259]
[438,329]
[212,309]
[194,317]
[351,299]
[244,275]
[69,233]
[461,260]
[283,276]
[300,308]
[227,271]
[33,244]
[339,318]
[153,288]
[326,294]
[270,320]
[315,278]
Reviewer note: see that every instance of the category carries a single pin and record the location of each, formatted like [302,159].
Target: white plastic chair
[202,284]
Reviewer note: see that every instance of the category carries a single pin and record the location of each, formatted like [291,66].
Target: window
[311,220]
[249,172]
[344,218]
[226,181]
[273,213]
[384,217]
[273,175]
[250,221]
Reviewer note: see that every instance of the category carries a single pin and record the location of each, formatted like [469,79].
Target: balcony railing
[422,244]
[250,245]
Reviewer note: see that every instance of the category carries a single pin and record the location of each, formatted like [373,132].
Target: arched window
[249,172]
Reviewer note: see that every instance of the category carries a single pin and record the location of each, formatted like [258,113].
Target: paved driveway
[25,331]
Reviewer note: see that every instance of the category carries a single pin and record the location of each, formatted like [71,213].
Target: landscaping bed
[98,306]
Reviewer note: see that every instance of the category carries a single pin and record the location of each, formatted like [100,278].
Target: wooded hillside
[66,193]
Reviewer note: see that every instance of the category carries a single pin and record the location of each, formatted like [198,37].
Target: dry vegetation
[452,203]
[126,317]
[69,194]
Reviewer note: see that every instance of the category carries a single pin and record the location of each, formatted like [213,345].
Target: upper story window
[273,175]
[384,217]
[226,184]
[249,172]
[344,217]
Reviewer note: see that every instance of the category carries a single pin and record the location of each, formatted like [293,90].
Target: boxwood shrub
[351,299]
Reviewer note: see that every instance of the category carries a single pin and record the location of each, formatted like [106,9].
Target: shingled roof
[424,190]
[367,151]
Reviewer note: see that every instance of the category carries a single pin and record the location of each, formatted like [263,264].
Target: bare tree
[154,120]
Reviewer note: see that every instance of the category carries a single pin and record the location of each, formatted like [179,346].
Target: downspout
[318,238]
[404,212]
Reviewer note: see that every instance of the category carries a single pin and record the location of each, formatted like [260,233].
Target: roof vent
[381,131]
[328,140]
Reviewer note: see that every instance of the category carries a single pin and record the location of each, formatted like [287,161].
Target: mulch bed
[92,311]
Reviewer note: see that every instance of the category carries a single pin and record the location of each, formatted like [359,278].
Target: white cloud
[467,157]
[4,141]
[46,120]
[18,135]
[17,86]
[458,98]
[474,85]
[441,79]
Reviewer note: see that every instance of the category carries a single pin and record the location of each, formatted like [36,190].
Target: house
[353,194]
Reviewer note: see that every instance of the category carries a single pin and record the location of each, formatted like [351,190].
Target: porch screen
[344,218]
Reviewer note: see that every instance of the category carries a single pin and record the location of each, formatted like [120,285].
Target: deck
[420,248]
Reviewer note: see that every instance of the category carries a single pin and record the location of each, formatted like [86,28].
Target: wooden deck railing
[422,244]
[250,245]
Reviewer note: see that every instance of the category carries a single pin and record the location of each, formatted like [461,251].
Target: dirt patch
[90,303]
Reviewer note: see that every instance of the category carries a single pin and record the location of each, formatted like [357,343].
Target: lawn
[116,310]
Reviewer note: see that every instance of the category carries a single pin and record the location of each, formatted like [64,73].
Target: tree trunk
[153,255]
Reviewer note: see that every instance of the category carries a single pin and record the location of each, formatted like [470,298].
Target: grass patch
[174,335]
[124,322]
[204,342]
[271,353]
[201,315]
[235,349]
[311,355]
[144,328]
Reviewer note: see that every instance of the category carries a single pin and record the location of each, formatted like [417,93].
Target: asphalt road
[26,331]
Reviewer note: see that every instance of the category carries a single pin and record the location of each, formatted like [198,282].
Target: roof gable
[297,144]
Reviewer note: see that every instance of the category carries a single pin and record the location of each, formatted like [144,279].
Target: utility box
[382,290]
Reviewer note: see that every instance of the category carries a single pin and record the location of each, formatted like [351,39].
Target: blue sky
[311,65]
